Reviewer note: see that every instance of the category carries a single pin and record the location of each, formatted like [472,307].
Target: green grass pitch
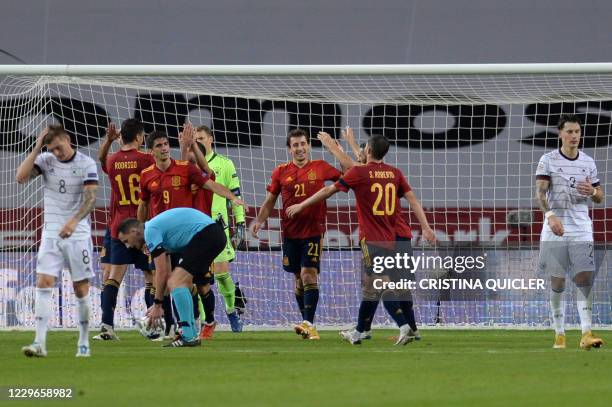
[445,368]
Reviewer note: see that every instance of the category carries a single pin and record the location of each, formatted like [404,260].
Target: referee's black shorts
[203,248]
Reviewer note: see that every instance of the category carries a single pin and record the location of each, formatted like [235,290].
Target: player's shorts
[120,254]
[568,254]
[54,253]
[106,248]
[203,248]
[369,254]
[298,253]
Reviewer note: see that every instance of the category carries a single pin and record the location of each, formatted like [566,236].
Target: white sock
[557,309]
[42,311]
[83,308]
[585,307]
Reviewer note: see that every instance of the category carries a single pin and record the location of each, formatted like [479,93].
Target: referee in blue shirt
[197,240]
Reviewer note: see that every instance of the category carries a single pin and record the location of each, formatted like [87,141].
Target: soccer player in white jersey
[566,179]
[70,182]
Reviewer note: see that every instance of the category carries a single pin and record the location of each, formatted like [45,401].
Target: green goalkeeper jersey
[225,174]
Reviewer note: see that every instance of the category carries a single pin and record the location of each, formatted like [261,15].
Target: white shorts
[567,254]
[54,253]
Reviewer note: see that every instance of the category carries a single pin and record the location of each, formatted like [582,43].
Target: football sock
[557,309]
[149,294]
[584,301]
[393,308]
[368,324]
[367,309]
[182,299]
[408,311]
[227,289]
[109,301]
[42,312]
[299,297]
[168,312]
[311,298]
[195,298]
[83,310]
[208,301]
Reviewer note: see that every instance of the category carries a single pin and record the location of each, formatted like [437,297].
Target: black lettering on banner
[165,112]
[474,124]
[309,116]
[86,122]
[595,117]
[235,121]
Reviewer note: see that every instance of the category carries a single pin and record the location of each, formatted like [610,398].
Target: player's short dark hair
[568,118]
[205,129]
[55,130]
[127,224]
[156,134]
[297,133]
[130,128]
[379,146]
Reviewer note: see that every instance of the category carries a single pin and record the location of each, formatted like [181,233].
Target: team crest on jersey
[312,175]
[176,181]
[285,261]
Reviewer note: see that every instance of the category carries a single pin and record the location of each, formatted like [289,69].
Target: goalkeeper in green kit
[225,174]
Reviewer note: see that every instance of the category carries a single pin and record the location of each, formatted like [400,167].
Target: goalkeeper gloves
[238,238]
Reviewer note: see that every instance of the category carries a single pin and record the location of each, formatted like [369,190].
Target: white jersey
[564,200]
[63,191]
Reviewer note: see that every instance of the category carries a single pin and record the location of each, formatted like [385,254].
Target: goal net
[467,138]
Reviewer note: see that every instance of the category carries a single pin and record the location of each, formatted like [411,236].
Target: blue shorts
[298,253]
[106,248]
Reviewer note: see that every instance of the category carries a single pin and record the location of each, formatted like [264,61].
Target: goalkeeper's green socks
[227,289]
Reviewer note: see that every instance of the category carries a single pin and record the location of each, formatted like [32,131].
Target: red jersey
[202,197]
[123,169]
[377,188]
[401,225]
[171,188]
[295,185]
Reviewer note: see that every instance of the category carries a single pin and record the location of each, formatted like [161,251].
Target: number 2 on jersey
[133,182]
[389,197]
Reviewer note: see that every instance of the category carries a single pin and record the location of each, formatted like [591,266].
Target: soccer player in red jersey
[168,184]
[403,233]
[123,169]
[377,187]
[302,235]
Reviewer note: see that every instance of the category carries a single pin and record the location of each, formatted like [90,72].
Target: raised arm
[26,170]
[349,137]
[264,212]
[333,147]
[555,224]
[416,207]
[321,195]
[89,203]
[111,135]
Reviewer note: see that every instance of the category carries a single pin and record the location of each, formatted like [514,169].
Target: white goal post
[468,138]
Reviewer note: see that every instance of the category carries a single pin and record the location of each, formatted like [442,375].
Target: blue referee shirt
[173,229]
